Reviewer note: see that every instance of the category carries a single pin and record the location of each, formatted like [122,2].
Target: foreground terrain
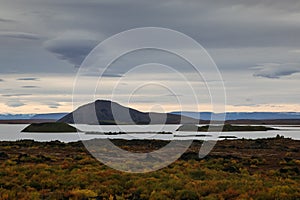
[235,169]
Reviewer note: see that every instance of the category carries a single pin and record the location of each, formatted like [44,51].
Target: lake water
[12,132]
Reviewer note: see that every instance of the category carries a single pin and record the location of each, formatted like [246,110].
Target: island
[226,128]
[50,127]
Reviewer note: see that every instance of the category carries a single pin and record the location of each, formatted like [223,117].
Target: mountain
[242,115]
[108,112]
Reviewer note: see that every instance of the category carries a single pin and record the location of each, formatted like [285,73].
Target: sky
[255,45]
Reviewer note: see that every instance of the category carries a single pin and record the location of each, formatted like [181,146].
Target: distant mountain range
[51,116]
[15,116]
[55,116]
[242,115]
[124,115]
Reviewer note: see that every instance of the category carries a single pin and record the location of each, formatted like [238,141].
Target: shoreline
[223,137]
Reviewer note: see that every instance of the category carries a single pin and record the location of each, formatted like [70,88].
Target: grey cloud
[276,70]
[20,35]
[237,33]
[6,20]
[15,103]
[53,105]
[144,101]
[140,61]
[108,75]
[247,104]
[111,75]
[248,99]
[215,24]
[28,79]
[226,23]
[72,46]
[173,95]
[15,95]
[30,86]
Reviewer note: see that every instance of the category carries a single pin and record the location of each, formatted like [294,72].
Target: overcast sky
[255,44]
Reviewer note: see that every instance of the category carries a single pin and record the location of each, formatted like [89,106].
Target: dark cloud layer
[216,25]
[75,27]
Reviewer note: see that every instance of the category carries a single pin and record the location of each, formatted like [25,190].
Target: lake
[12,132]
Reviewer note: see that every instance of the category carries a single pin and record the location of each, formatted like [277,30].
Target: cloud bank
[6,20]
[28,79]
[15,103]
[276,70]
[72,46]
[20,35]
[47,38]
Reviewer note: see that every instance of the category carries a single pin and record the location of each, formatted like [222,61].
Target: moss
[232,170]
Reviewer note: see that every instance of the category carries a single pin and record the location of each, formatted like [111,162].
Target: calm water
[13,132]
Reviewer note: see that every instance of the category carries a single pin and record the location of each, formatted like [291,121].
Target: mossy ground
[235,169]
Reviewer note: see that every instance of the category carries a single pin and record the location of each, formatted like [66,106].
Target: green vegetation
[50,127]
[226,128]
[235,169]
